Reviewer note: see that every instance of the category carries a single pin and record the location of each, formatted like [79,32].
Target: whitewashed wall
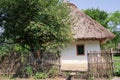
[71,61]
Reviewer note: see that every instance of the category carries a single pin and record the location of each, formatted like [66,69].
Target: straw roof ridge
[84,27]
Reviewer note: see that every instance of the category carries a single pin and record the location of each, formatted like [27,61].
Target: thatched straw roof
[85,28]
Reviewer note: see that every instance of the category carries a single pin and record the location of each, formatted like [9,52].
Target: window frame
[83,49]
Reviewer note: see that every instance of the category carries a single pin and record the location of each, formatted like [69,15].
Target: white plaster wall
[71,61]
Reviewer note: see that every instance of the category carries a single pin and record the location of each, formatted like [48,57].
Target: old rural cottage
[88,34]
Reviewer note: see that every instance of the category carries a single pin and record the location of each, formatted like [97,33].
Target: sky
[106,5]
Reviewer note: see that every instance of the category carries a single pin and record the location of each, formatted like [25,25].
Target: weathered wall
[71,61]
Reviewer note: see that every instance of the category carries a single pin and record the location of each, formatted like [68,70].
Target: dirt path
[57,78]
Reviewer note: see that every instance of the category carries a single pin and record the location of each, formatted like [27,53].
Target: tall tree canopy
[114,24]
[35,24]
[114,20]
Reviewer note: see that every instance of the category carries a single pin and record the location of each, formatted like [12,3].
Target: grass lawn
[116,57]
[117,65]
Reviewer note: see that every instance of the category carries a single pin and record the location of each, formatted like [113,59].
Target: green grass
[116,57]
[117,65]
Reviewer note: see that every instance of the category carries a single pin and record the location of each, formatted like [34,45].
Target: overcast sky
[106,5]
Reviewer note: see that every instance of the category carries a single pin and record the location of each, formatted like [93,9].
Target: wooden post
[89,67]
[112,63]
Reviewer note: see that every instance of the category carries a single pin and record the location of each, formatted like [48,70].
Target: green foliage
[117,73]
[114,23]
[37,24]
[116,40]
[108,45]
[67,73]
[53,72]
[114,18]
[117,65]
[40,75]
[5,49]
[29,71]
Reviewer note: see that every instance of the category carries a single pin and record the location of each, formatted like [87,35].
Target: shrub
[53,72]
[40,75]
[117,73]
[29,71]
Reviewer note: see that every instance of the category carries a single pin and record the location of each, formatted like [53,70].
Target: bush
[117,73]
[29,71]
[53,72]
[40,75]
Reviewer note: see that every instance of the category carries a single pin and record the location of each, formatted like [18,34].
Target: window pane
[80,49]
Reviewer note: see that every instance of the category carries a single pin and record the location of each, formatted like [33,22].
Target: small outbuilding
[88,35]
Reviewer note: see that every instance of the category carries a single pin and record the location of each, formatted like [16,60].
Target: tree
[114,24]
[35,24]
[98,15]
[114,19]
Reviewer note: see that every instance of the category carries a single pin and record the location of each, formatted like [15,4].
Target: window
[80,49]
